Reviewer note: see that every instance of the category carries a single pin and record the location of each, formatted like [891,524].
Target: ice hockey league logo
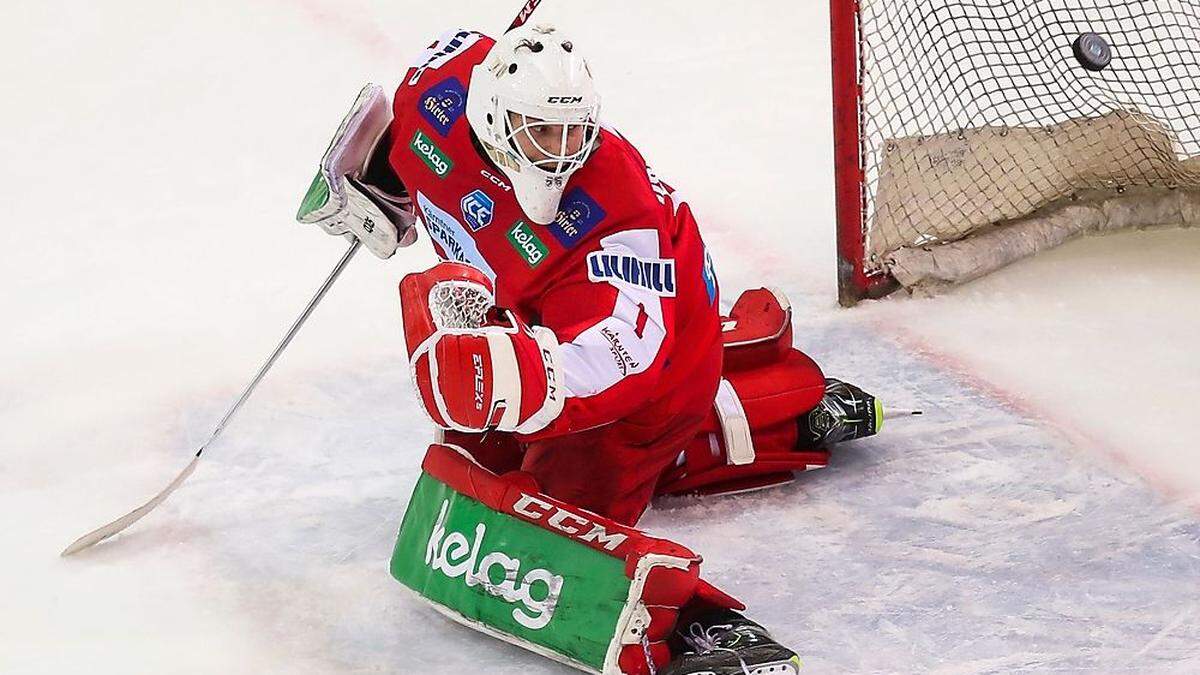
[477,210]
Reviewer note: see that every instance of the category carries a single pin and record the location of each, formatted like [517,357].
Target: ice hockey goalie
[571,351]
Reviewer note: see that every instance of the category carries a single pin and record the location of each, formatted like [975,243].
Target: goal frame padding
[1076,204]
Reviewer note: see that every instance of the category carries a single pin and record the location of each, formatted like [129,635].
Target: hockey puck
[1092,52]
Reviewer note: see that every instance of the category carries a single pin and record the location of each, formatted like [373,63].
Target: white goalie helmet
[534,108]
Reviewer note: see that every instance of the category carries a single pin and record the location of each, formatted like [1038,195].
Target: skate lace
[706,639]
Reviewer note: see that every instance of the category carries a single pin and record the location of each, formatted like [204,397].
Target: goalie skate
[728,643]
[844,414]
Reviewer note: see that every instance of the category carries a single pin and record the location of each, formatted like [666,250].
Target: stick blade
[101,533]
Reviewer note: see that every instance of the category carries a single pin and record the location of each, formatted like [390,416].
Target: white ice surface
[1041,516]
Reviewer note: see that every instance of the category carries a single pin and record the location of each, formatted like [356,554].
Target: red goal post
[971,133]
[854,282]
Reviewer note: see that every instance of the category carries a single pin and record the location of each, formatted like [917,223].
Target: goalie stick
[523,16]
[100,534]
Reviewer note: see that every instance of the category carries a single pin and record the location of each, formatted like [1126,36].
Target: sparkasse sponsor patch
[450,236]
[654,275]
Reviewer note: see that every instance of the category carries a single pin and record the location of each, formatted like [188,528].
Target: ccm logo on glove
[476,368]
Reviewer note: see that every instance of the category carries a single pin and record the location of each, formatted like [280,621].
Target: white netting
[977,112]
[459,305]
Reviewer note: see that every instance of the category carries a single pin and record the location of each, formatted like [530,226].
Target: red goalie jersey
[621,276]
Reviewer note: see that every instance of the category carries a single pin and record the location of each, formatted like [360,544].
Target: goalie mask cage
[971,133]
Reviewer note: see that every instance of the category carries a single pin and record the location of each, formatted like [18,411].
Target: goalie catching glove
[342,199]
[477,367]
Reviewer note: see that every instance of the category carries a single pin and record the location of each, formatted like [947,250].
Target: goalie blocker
[495,554]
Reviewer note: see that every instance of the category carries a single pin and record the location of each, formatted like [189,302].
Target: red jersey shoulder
[612,192]
[435,86]
[468,208]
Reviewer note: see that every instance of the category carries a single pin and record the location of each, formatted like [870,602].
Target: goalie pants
[749,440]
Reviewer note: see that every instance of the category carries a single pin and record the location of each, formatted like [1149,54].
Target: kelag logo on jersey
[432,155]
[526,242]
[443,103]
[477,210]
[656,276]
[578,213]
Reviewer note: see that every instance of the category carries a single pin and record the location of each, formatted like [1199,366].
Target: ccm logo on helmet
[564,99]
[566,522]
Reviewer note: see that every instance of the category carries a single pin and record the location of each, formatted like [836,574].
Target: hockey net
[969,134]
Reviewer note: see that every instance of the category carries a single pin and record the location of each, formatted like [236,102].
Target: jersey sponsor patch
[453,239]
[577,215]
[654,275]
[437,161]
[443,103]
[528,245]
[625,362]
[710,277]
[477,210]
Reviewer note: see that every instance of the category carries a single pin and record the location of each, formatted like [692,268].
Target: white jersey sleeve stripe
[612,349]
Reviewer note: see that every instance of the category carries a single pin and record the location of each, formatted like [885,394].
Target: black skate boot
[844,414]
[727,643]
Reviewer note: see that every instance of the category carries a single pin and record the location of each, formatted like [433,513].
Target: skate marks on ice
[969,540]
[300,508]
